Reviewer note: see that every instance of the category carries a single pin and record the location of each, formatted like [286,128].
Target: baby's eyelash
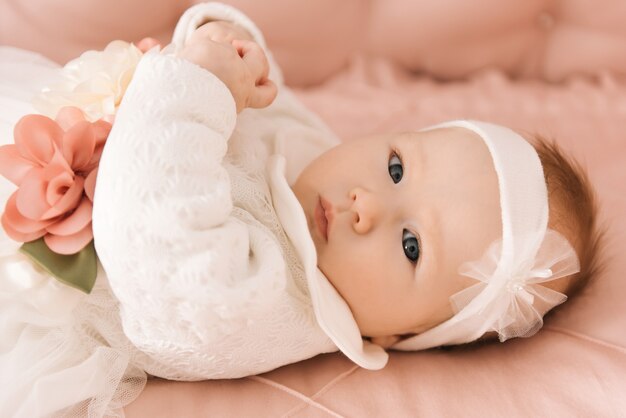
[394,151]
[408,233]
[395,167]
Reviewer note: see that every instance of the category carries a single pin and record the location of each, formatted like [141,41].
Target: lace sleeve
[183,269]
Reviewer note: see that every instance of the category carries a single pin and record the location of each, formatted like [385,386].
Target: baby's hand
[241,64]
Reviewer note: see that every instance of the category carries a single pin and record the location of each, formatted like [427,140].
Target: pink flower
[54,164]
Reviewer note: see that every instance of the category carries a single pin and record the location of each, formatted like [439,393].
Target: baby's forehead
[459,150]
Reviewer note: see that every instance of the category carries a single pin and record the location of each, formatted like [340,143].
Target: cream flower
[95,82]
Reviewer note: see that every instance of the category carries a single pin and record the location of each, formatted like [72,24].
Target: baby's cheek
[360,269]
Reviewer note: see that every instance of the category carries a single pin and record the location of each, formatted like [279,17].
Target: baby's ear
[386,342]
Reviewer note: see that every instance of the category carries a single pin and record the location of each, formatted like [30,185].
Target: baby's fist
[240,64]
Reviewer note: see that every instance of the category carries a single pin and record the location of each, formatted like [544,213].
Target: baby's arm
[187,272]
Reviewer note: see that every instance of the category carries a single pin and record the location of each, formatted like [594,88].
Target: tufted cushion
[312,40]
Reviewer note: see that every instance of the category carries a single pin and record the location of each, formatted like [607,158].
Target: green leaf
[77,270]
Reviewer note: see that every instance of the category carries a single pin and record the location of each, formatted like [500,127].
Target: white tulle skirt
[62,352]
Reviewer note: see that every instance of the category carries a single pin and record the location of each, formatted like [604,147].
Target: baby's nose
[365,208]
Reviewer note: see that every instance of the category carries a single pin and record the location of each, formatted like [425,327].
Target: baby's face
[402,212]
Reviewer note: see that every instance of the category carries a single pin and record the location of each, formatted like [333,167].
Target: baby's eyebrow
[414,156]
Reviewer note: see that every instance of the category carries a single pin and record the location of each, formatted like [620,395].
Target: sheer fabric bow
[519,302]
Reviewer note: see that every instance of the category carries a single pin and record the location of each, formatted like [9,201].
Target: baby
[239,243]
[238,240]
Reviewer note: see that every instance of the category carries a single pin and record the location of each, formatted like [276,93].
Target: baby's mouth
[321,222]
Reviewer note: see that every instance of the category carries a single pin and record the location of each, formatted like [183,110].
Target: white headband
[506,299]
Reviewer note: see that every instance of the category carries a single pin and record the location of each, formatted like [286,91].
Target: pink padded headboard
[313,39]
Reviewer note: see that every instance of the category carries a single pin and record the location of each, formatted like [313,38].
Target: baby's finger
[254,57]
[146,44]
[263,94]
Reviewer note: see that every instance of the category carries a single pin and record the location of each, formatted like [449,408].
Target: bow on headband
[519,299]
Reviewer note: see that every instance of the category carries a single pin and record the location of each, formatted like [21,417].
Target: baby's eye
[395,168]
[410,245]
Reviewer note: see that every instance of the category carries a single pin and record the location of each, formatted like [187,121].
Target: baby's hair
[573,210]
[573,213]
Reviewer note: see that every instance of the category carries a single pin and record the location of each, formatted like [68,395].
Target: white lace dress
[201,280]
